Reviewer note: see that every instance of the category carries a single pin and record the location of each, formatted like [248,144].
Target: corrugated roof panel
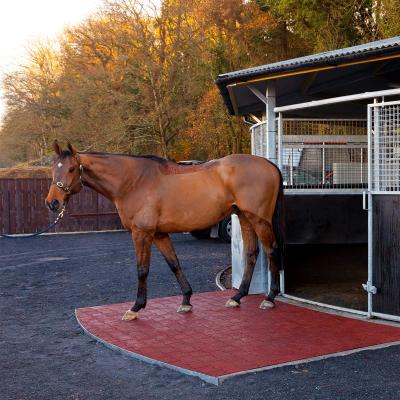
[314,58]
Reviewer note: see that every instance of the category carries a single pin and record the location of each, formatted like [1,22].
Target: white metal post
[369,210]
[271,154]
[377,160]
[271,123]
[280,132]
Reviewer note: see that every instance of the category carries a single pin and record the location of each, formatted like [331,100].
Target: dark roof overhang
[370,66]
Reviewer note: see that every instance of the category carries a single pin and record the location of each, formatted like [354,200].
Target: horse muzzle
[53,205]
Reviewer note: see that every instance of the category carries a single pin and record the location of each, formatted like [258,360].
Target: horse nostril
[54,205]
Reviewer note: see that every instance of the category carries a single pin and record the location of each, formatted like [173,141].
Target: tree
[138,77]
[33,100]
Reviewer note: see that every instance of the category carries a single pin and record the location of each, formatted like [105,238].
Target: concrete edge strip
[311,359]
[217,380]
[207,378]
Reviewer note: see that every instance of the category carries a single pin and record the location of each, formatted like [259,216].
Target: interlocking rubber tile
[215,342]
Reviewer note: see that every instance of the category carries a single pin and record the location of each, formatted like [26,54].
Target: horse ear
[57,148]
[72,148]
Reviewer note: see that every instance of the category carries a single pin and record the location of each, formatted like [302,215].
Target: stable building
[331,122]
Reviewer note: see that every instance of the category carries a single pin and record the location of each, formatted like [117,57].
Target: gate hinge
[368,287]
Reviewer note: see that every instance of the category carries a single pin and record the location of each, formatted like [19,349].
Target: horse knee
[142,272]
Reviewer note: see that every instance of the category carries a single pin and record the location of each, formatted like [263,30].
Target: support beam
[233,98]
[257,93]
[258,121]
[271,123]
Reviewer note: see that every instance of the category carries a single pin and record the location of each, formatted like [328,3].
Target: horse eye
[71,169]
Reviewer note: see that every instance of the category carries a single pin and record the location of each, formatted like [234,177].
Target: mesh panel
[324,154]
[385,152]
[259,139]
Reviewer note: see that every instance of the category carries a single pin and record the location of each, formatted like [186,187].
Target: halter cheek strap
[68,189]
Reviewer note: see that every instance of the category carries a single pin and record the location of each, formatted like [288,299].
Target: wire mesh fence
[323,154]
[259,140]
[385,147]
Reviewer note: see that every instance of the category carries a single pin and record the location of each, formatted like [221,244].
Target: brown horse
[155,197]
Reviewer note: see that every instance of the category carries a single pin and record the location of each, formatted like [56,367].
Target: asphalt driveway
[45,355]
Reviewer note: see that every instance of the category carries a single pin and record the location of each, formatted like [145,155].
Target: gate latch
[369,288]
[364,200]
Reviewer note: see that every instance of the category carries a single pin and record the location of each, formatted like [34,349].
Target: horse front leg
[142,241]
[166,248]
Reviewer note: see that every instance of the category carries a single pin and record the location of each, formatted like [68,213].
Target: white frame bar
[332,307]
[385,103]
[389,317]
[340,99]
[325,119]
[324,191]
[280,131]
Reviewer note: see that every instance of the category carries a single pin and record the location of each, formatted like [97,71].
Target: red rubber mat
[214,342]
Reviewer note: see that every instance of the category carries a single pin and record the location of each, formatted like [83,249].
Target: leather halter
[68,189]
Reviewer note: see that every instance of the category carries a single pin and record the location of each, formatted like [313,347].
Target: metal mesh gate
[324,154]
[385,146]
[383,285]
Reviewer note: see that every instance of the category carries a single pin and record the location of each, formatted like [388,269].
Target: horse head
[67,177]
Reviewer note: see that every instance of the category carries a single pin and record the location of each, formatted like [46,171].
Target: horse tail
[278,222]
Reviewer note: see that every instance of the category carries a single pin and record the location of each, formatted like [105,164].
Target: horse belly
[194,204]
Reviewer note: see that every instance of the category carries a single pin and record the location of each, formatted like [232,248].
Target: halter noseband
[68,189]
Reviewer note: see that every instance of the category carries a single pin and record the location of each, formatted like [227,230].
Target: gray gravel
[45,355]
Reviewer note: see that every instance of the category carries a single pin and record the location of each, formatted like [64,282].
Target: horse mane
[167,167]
[158,159]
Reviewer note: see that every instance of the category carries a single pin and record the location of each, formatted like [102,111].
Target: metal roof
[328,58]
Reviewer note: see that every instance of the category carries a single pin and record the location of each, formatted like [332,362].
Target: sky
[26,21]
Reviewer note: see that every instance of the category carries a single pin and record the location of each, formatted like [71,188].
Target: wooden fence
[22,209]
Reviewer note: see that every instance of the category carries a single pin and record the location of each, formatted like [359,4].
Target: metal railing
[330,155]
[318,154]
[259,139]
[323,154]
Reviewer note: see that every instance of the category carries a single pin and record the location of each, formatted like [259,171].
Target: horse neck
[104,174]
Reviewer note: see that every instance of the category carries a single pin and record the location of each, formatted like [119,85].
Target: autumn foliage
[138,77]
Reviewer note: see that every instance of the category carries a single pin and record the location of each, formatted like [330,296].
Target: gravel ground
[45,355]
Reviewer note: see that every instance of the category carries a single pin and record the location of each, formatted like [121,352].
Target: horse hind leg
[250,248]
[266,236]
[166,248]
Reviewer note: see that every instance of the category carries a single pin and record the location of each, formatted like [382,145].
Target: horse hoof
[184,308]
[130,316]
[266,304]
[231,303]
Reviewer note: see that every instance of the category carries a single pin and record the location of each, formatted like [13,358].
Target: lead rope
[56,221]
